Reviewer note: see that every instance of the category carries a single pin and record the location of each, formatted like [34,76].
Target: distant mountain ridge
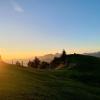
[49,57]
[95,54]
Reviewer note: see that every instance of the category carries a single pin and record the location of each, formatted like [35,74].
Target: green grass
[29,84]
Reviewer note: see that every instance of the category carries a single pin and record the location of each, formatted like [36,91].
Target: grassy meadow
[29,84]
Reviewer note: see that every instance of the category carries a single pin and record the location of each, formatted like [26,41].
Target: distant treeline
[64,61]
[38,64]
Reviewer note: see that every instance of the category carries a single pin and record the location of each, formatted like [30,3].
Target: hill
[95,54]
[18,83]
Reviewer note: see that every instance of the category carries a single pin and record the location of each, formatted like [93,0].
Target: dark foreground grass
[29,84]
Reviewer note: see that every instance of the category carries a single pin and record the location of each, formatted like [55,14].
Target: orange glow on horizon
[32,54]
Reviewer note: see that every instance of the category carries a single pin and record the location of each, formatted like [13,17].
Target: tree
[30,63]
[18,63]
[44,65]
[36,62]
[22,64]
[62,60]
[55,62]
[63,57]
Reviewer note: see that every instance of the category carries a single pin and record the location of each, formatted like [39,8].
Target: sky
[36,27]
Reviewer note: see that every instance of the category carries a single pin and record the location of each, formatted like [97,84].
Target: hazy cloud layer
[16,6]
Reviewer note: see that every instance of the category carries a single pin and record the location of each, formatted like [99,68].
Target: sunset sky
[38,27]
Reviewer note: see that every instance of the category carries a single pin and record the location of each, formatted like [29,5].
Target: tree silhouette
[18,63]
[30,64]
[63,57]
[22,64]
[55,62]
[36,63]
[62,60]
[44,65]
